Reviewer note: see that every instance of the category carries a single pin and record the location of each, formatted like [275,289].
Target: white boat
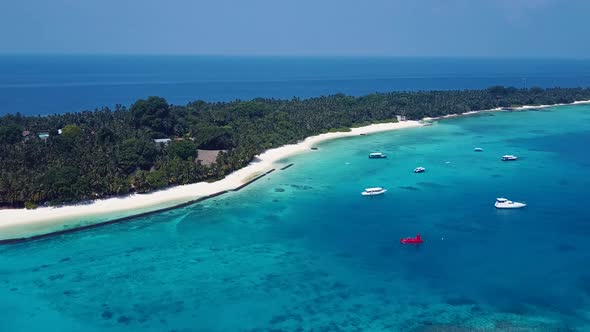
[374,191]
[478,149]
[419,169]
[377,155]
[509,157]
[504,203]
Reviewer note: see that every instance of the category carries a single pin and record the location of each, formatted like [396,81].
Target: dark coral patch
[124,320]
[410,188]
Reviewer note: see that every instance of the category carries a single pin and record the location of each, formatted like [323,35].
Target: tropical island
[67,158]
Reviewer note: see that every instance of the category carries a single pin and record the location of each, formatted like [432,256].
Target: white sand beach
[498,109]
[21,223]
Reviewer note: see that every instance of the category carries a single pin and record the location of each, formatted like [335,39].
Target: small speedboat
[478,149]
[509,157]
[377,155]
[412,240]
[374,191]
[419,169]
[504,203]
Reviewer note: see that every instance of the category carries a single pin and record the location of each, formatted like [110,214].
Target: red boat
[412,240]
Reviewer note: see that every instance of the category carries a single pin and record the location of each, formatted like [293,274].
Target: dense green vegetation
[112,152]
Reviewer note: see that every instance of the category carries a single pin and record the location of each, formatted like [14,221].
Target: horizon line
[280,55]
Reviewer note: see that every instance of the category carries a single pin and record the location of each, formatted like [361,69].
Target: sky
[505,28]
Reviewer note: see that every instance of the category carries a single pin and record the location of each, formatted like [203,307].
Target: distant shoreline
[519,108]
[20,225]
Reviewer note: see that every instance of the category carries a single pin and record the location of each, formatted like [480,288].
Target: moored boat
[509,157]
[478,149]
[377,155]
[412,240]
[504,203]
[419,169]
[374,191]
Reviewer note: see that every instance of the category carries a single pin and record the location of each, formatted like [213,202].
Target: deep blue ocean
[302,250]
[66,83]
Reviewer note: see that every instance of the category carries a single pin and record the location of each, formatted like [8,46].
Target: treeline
[78,156]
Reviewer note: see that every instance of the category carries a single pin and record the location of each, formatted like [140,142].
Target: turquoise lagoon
[302,250]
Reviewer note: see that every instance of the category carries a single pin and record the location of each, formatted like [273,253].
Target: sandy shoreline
[520,108]
[21,223]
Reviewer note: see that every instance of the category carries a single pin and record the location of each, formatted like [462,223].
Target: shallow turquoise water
[301,249]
